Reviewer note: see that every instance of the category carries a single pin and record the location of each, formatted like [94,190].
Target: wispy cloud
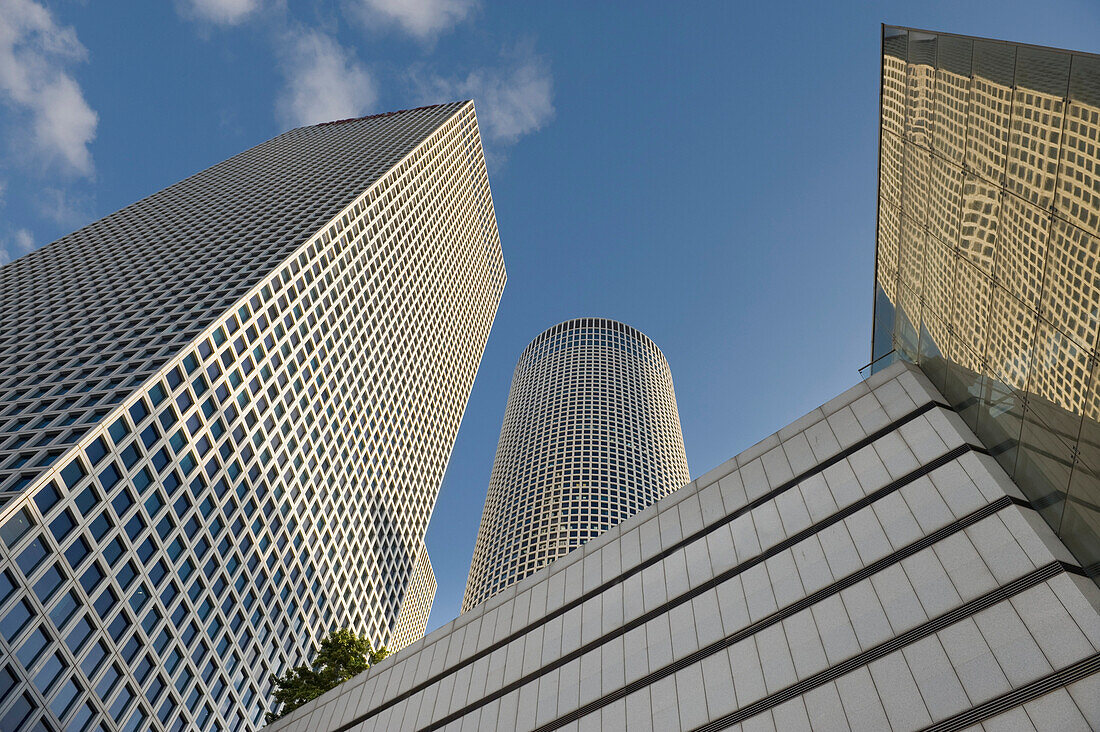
[19,243]
[424,19]
[218,12]
[324,81]
[65,207]
[34,55]
[513,99]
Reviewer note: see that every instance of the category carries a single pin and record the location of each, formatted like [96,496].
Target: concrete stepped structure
[870,566]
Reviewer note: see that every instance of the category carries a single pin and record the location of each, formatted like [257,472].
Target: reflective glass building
[225,413]
[591,436]
[988,254]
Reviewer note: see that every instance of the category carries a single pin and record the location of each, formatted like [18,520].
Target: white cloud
[34,53]
[66,208]
[422,18]
[219,12]
[512,100]
[20,243]
[324,81]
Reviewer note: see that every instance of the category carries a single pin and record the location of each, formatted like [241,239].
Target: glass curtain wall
[987,267]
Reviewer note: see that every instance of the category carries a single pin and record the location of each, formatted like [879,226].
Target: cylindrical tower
[591,435]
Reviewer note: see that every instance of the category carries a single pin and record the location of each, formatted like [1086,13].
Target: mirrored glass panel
[945,200]
[973,290]
[981,211]
[895,43]
[1000,420]
[952,97]
[914,183]
[988,253]
[920,82]
[1022,249]
[990,109]
[1071,286]
[1011,339]
[1078,197]
[1081,517]
[1038,107]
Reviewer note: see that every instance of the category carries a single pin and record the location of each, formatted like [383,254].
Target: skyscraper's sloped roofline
[380,115]
[88,318]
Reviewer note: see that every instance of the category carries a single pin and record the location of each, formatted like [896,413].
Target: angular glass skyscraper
[988,254]
[591,436]
[225,413]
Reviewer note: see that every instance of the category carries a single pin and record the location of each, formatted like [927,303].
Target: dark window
[76,553]
[62,525]
[64,698]
[118,430]
[48,583]
[157,394]
[92,661]
[109,477]
[122,502]
[99,527]
[91,577]
[96,451]
[32,647]
[46,499]
[79,635]
[15,620]
[32,556]
[87,500]
[65,609]
[16,527]
[72,473]
[138,411]
[125,576]
[130,456]
[150,436]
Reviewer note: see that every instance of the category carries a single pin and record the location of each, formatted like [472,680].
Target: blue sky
[702,171]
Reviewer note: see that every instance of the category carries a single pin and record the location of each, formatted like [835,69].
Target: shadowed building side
[416,606]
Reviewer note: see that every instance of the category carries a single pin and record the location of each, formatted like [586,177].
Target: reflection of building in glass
[591,436]
[225,414]
[988,257]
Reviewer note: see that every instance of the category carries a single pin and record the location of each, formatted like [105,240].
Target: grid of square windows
[274,477]
[591,436]
[89,318]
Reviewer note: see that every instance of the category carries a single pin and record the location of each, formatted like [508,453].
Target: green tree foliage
[341,655]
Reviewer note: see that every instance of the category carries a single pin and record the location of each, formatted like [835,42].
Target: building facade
[225,413]
[869,567]
[412,620]
[591,435]
[988,254]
